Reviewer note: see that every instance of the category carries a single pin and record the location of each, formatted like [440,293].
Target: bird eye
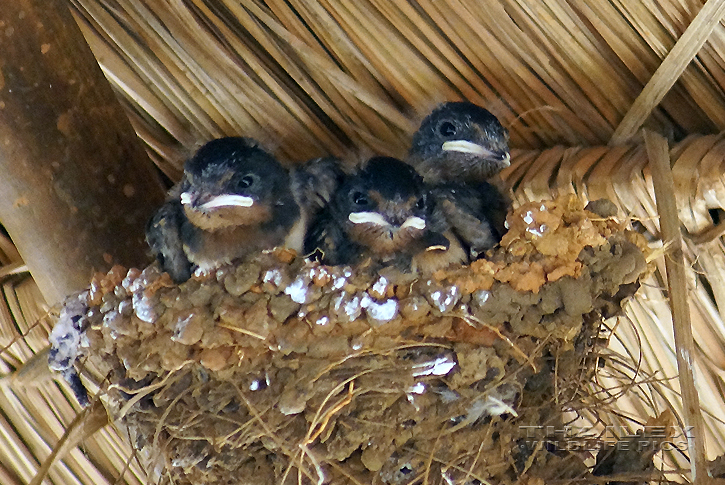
[359,198]
[446,128]
[248,180]
[421,204]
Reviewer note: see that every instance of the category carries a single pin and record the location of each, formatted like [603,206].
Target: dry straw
[342,77]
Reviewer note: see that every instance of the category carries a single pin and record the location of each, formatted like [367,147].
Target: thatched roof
[323,77]
[572,81]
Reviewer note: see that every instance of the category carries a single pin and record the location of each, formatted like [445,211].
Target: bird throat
[228,216]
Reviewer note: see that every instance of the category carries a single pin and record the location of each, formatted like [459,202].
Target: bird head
[385,207]
[232,182]
[460,140]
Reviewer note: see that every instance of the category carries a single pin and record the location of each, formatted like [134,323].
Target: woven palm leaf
[572,81]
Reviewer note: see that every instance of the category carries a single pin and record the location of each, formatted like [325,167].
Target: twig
[87,422]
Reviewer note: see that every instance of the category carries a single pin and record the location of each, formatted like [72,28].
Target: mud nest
[276,370]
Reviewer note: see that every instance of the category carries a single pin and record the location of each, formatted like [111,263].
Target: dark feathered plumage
[458,142]
[476,213]
[234,199]
[383,213]
[457,148]
[315,181]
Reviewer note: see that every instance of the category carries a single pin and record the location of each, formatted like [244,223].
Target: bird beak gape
[414,222]
[378,220]
[465,146]
[218,201]
[368,218]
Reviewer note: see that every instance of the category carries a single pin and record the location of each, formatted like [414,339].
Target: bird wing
[473,213]
[326,241]
[163,236]
[315,181]
[494,206]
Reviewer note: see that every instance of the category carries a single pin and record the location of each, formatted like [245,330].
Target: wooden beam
[659,161]
[76,186]
[672,67]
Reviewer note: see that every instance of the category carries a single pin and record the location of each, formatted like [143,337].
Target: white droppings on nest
[298,290]
[380,311]
[65,339]
[538,230]
[273,276]
[496,407]
[319,272]
[481,296]
[322,321]
[144,307]
[446,298]
[380,286]
[528,217]
[338,282]
[351,306]
[417,388]
[498,401]
[439,366]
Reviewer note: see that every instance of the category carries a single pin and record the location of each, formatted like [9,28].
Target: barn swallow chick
[459,141]
[234,199]
[383,213]
[457,147]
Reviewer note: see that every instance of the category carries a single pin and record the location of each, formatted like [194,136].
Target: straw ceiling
[319,77]
[351,77]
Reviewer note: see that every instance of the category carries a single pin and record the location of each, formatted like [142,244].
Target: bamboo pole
[672,67]
[664,185]
[76,187]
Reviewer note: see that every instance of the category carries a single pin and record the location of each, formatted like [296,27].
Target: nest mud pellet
[277,370]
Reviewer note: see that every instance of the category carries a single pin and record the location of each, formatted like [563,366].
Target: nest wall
[638,339]
[278,370]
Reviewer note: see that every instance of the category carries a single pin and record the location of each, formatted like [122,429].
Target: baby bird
[382,213]
[460,141]
[234,199]
[456,149]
